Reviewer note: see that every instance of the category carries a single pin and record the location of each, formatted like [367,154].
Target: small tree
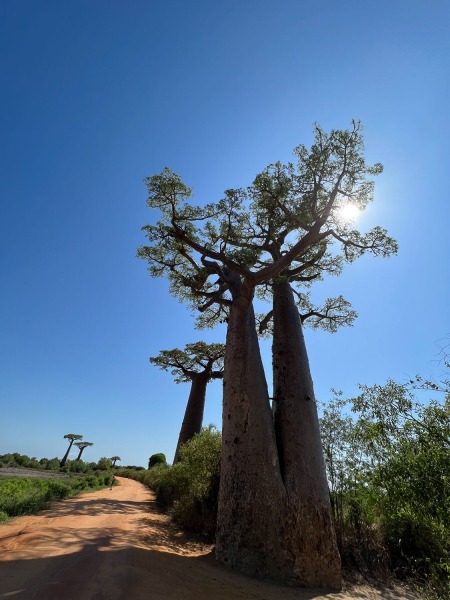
[197,363]
[157,459]
[81,447]
[114,459]
[71,437]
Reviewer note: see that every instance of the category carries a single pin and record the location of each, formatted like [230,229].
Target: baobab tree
[274,513]
[114,459]
[81,447]
[198,363]
[71,437]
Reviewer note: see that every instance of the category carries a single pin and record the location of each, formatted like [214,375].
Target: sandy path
[115,545]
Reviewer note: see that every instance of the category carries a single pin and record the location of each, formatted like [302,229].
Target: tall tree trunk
[80,453]
[249,527]
[193,416]
[64,459]
[312,540]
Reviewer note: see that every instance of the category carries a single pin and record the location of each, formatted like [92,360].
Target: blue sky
[96,95]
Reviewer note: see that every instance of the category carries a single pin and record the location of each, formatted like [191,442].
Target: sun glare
[348,213]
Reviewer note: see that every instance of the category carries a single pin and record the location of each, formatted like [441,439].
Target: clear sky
[96,95]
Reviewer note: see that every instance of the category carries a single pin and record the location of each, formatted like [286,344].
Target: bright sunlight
[347,214]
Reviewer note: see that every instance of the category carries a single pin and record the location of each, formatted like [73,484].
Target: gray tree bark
[193,415]
[251,490]
[312,540]
[272,521]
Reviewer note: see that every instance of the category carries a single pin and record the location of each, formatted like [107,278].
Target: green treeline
[16,460]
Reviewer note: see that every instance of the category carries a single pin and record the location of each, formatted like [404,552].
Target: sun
[347,213]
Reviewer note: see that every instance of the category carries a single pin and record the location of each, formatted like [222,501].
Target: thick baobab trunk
[193,416]
[251,491]
[64,459]
[312,540]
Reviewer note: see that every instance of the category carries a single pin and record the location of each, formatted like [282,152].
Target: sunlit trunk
[251,491]
[193,416]
[311,537]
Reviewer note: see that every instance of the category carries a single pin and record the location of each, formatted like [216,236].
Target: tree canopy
[198,357]
[287,223]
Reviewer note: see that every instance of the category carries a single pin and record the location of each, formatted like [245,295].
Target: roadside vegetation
[27,485]
[388,465]
[23,496]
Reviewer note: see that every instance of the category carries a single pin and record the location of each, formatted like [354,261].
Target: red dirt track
[116,545]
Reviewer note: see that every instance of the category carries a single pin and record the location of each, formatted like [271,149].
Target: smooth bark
[312,541]
[193,416]
[251,492]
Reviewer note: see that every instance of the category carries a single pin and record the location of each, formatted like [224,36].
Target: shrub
[388,470]
[57,490]
[157,459]
[104,464]
[190,487]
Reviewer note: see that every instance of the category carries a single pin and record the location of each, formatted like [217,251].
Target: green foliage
[76,466]
[198,474]
[389,475]
[157,459]
[104,464]
[19,460]
[23,496]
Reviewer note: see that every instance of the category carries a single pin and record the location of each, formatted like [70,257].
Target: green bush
[104,464]
[389,474]
[76,466]
[57,490]
[190,488]
[156,459]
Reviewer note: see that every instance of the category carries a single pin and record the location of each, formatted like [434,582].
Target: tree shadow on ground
[93,566]
[153,561]
[93,506]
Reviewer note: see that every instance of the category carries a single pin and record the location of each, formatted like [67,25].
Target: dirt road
[115,545]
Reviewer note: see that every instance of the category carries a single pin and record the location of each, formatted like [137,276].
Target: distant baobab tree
[82,446]
[198,363]
[114,459]
[71,437]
